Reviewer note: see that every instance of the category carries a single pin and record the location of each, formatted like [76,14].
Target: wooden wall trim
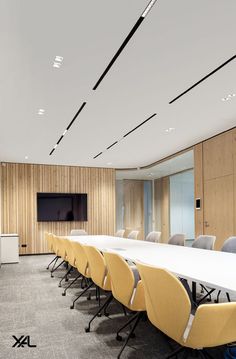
[198,188]
[20,184]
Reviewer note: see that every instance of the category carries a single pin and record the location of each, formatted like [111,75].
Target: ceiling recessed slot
[204,78]
[113,144]
[70,124]
[99,154]
[76,115]
[142,123]
[125,42]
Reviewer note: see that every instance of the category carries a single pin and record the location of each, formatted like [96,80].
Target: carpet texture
[31,304]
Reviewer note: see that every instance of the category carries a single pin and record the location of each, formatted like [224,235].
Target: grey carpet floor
[31,304]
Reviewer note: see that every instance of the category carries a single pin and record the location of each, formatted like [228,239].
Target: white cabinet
[9,250]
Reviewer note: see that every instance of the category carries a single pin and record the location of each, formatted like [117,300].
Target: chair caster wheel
[106,314]
[216,301]
[59,285]
[66,279]
[132,335]
[71,307]
[89,298]
[47,268]
[63,294]
[209,299]
[119,337]
[52,276]
[99,315]
[87,330]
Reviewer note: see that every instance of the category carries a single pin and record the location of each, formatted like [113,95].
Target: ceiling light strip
[128,133]
[99,154]
[148,8]
[76,115]
[70,124]
[203,79]
[142,123]
[113,144]
[125,42]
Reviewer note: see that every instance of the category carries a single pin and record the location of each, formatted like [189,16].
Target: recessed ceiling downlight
[170,129]
[58,61]
[41,111]
[229,97]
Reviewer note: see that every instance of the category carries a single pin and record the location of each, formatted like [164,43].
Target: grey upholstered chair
[177,239]
[153,236]
[78,232]
[229,246]
[133,235]
[204,242]
[120,233]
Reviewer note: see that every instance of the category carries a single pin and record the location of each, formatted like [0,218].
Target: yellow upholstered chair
[60,251]
[100,277]
[49,238]
[169,309]
[69,257]
[126,290]
[82,265]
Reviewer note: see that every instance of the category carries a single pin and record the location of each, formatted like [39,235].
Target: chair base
[202,353]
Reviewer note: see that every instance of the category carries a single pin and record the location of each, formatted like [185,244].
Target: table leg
[194,292]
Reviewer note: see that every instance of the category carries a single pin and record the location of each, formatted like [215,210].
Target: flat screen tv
[61,207]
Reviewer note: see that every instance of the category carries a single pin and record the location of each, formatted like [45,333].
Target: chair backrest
[49,240]
[98,267]
[229,245]
[133,235]
[177,239]
[122,278]
[167,302]
[204,242]
[153,236]
[58,246]
[120,233]
[81,260]
[218,320]
[78,232]
[70,256]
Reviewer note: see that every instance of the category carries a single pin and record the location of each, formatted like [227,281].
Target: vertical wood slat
[20,184]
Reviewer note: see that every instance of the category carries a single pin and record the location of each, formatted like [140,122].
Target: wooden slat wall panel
[162,207]
[21,182]
[134,206]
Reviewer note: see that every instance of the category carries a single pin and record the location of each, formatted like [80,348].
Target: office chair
[169,309]
[100,277]
[205,242]
[49,238]
[120,233]
[177,239]
[133,235]
[153,237]
[70,258]
[128,292]
[229,246]
[78,232]
[82,265]
[59,247]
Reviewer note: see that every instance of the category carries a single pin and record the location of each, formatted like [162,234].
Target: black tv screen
[61,207]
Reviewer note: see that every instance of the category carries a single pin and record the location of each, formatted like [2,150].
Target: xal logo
[22,341]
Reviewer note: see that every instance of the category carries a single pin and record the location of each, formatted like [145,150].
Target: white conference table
[212,268]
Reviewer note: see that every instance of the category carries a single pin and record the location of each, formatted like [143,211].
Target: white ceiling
[169,167]
[177,44]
